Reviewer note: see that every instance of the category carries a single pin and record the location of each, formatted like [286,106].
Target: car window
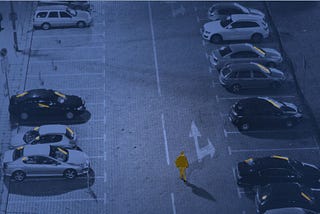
[276,172]
[244,24]
[45,160]
[53,15]
[42,14]
[59,153]
[258,74]
[225,50]
[30,136]
[226,21]
[65,15]
[50,138]
[244,74]
[30,160]
[18,153]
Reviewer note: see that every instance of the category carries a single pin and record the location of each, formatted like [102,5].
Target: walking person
[182,164]
[1,28]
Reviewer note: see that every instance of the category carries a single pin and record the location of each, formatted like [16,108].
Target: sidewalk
[297,24]
[18,66]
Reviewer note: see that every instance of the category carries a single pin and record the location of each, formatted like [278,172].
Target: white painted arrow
[204,151]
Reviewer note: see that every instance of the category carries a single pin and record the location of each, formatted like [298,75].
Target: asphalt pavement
[143,69]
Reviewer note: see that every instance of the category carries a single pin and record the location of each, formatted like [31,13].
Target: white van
[47,17]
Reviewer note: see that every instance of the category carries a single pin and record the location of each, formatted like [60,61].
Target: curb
[306,105]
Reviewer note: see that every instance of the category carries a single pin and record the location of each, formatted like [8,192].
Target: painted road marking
[230,151]
[154,49]
[203,43]
[94,103]
[244,97]
[97,157]
[64,74]
[55,200]
[165,138]
[33,61]
[64,48]
[227,133]
[79,89]
[173,204]
[235,179]
[70,35]
[204,151]
[207,55]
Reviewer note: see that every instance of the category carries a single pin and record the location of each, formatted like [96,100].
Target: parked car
[45,102]
[284,195]
[245,52]
[57,135]
[236,27]
[76,5]
[263,111]
[223,9]
[47,17]
[276,169]
[290,210]
[44,160]
[238,76]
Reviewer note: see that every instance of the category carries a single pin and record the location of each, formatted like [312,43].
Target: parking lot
[144,72]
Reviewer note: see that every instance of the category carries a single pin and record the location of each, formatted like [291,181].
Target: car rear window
[225,50]
[59,153]
[226,21]
[30,136]
[42,14]
[18,153]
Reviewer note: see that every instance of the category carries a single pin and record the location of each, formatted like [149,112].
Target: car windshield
[18,153]
[226,21]
[226,71]
[72,12]
[225,50]
[30,136]
[59,153]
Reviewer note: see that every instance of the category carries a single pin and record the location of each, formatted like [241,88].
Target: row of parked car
[49,149]
[282,185]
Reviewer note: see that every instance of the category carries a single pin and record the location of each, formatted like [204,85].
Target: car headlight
[85,165]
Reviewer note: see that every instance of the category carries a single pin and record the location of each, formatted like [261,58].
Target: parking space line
[70,35]
[203,43]
[97,157]
[227,133]
[104,198]
[245,97]
[104,176]
[198,19]
[96,121]
[154,48]
[173,204]
[64,48]
[55,200]
[207,55]
[78,89]
[91,138]
[64,74]
[213,84]
[217,99]
[165,138]
[94,103]
[33,61]
[230,150]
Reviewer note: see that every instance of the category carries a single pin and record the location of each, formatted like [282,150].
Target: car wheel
[244,126]
[256,38]
[81,24]
[289,124]
[271,64]
[24,116]
[235,88]
[45,26]
[275,85]
[69,115]
[70,173]
[18,175]
[216,38]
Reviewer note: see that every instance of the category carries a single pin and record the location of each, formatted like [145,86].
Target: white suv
[236,27]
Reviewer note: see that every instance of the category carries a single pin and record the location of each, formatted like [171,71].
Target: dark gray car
[224,9]
[244,52]
[250,75]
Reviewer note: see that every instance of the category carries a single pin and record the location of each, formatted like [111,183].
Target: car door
[259,79]
[244,78]
[54,19]
[234,31]
[66,18]
[32,165]
[276,175]
[49,166]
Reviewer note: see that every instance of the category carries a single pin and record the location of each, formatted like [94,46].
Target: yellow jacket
[182,161]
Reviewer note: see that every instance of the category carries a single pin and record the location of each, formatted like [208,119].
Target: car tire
[289,123]
[235,88]
[70,174]
[256,38]
[45,26]
[81,24]
[69,115]
[216,38]
[245,126]
[271,64]
[24,116]
[275,85]
[19,175]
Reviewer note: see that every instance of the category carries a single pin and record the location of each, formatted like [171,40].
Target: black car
[274,169]
[44,102]
[281,195]
[263,111]
[76,5]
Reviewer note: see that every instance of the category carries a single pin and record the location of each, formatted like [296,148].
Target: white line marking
[105,156]
[235,178]
[278,149]
[198,20]
[225,132]
[217,99]
[104,176]
[173,204]
[70,35]
[165,138]
[94,103]
[229,150]
[91,138]
[207,55]
[203,43]
[33,61]
[55,200]
[64,74]
[96,157]
[264,131]
[154,49]
[78,89]
[241,97]
[104,198]
[213,84]
[96,121]
[66,48]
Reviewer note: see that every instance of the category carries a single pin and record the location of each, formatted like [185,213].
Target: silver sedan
[44,160]
[244,52]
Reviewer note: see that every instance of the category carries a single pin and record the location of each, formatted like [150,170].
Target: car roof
[55,128]
[240,47]
[242,65]
[35,93]
[225,4]
[246,17]
[38,149]
[52,7]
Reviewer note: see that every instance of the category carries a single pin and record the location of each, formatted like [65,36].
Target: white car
[236,27]
[223,9]
[289,210]
[57,135]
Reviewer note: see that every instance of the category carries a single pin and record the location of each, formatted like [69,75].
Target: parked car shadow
[200,192]
[49,185]
[37,121]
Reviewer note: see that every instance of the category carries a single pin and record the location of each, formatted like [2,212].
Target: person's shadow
[200,192]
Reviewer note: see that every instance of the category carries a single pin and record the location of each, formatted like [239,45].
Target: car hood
[73,101]
[277,73]
[8,155]
[245,169]
[256,12]
[213,26]
[17,140]
[272,53]
[77,157]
